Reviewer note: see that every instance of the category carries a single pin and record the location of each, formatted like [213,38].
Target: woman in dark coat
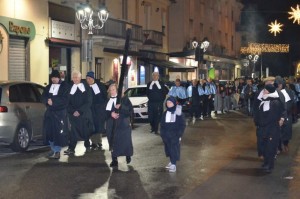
[55,97]
[79,112]
[171,130]
[269,115]
[118,126]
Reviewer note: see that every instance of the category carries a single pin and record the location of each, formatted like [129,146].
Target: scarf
[112,102]
[266,101]
[157,84]
[95,88]
[80,86]
[54,89]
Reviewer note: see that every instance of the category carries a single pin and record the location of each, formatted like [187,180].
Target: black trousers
[155,110]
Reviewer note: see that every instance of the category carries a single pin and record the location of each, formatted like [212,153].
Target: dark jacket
[155,94]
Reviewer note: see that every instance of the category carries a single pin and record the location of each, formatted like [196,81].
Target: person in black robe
[55,125]
[98,109]
[269,114]
[79,113]
[156,93]
[171,130]
[118,126]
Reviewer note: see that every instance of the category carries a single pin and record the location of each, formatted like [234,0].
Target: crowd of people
[84,110]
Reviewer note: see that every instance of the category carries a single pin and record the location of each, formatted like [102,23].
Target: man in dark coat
[156,93]
[118,126]
[55,97]
[171,131]
[80,114]
[98,109]
[269,113]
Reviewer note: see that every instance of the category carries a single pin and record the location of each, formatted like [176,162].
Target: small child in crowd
[171,130]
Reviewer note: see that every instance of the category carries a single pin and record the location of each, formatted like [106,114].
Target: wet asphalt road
[218,160]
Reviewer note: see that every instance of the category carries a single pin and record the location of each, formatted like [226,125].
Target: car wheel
[22,139]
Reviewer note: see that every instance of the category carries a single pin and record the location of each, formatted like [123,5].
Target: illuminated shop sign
[19,29]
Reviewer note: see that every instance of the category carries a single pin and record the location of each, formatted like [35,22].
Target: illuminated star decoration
[295,14]
[275,27]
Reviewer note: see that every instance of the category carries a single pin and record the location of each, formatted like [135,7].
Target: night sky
[260,13]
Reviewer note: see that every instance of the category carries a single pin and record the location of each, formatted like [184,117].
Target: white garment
[54,89]
[80,86]
[154,82]
[286,95]
[266,104]
[95,88]
[112,101]
[170,118]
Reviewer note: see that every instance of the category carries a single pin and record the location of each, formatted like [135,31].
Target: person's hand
[50,102]
[114,115]
[76,114]
[117,106]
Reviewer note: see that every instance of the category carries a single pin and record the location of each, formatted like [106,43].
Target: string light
[258,48]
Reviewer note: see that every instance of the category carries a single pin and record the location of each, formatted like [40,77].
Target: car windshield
[136,92]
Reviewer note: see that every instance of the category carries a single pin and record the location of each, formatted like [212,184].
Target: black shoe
[55,155]
[128,159]
[96,147]
[69,151]
[114,163]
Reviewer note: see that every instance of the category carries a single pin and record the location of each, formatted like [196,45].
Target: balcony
[153,38]
[115,30]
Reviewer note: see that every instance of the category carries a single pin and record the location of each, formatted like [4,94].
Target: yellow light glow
[295,14]
[258,48]
[275,27]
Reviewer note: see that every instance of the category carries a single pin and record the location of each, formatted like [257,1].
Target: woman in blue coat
[171,130]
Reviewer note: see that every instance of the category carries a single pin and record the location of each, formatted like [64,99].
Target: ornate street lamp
[200,49]
[85,16]
[253,58]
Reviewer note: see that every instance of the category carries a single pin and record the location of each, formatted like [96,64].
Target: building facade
[216,20]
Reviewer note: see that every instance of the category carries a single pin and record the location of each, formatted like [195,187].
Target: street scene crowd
[85,110]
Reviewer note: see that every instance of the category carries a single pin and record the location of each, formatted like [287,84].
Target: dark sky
[260,13]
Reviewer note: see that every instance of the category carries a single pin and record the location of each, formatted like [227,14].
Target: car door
[34,107]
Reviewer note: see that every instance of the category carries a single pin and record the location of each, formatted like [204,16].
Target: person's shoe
[128,159]
[55,155]
[69,151]
[201,117]
[88,149]
[265,166]
[168,165]
[172,168]
[114,163]
[50,153]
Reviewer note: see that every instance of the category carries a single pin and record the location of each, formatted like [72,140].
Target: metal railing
[117,28]
[152,37]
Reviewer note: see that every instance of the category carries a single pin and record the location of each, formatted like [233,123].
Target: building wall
[35,11]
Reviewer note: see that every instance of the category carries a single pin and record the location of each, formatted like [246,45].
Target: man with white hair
[156,93]
[79,112]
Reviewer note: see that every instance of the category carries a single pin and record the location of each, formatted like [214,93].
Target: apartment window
[201,30]
[232,43]
[226,39]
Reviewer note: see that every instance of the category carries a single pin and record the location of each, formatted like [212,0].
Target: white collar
[95,88]
[155,82]
[80,86]
[112,101]
[54,89]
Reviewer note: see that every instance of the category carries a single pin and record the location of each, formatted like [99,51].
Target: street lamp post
[200,49]
[85,15]
[253,58]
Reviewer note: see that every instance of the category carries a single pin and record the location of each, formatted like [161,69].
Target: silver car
[21,113]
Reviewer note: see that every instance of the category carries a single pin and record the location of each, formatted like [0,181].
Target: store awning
[62,42]
[172,66]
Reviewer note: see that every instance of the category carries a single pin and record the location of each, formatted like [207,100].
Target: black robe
[170,134]
[119,130]
[98,108]
[55,125]
[82,127]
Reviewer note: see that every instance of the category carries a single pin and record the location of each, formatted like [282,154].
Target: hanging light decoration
[275,27]
[85,16]
[295,14]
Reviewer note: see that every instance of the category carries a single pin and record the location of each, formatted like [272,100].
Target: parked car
[138,97]
[21,113]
